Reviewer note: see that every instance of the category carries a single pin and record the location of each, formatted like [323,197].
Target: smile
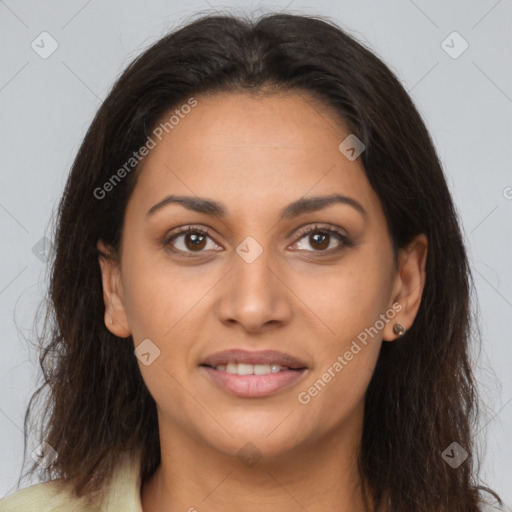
[253,384]
[250,369]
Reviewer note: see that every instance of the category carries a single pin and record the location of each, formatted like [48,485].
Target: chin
[257,437]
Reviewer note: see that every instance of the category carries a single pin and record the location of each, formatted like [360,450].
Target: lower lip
[254,386]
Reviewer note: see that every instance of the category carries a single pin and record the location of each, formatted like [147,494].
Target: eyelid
[302,232]
[183,230]
[320,226]
[331,230]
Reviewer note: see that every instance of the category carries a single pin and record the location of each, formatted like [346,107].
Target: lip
[260,357]
[254,386]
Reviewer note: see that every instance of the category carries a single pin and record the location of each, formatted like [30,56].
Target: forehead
[251,149]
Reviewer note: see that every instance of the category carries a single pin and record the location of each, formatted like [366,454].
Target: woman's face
[266,277]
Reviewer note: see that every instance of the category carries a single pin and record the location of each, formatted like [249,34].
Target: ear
[408,285]
[116,319]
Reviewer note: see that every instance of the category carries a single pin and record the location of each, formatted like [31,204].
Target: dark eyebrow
[303,205]
[313,204]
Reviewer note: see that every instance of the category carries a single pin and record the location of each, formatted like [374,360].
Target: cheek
[348,297]
[167,305]
[353,310]
[158,295]
[345,362]
[334,394]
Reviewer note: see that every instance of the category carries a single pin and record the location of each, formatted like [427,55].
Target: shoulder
[122,494]
[51,496]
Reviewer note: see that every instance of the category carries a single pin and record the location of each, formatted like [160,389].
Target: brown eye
[190,240]
[195,241]
[319,240]
[323,240]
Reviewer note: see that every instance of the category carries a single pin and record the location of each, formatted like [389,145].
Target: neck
[194,476]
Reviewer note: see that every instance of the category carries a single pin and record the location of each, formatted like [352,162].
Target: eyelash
[331,231]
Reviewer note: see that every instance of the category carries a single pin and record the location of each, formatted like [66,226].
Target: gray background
[47,105]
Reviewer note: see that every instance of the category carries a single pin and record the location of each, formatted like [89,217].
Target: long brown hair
[422,396]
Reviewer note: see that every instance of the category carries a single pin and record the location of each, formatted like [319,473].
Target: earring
[399,329]
[110,321]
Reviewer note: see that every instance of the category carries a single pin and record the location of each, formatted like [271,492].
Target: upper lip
[248,357]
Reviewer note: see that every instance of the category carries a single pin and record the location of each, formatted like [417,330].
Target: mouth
[253,374]
[251,369]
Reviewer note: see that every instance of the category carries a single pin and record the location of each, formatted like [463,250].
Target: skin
[257,154]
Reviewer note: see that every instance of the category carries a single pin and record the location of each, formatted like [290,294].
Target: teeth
[250,369]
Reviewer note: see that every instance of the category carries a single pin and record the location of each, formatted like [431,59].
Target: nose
[254,295]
